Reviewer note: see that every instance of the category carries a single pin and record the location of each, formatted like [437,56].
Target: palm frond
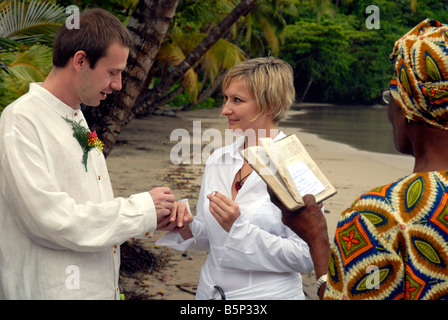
[30,22]
[171,54]
[31,65]
[270,36]
[226,53]
[26,35]
[9,45]
[222,54]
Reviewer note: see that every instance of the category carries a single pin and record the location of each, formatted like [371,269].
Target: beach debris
[188,287]
[166,277]
[134,258]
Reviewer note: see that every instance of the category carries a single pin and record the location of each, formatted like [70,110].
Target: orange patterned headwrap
[420,84]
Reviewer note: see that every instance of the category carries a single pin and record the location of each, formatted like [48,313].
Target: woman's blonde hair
[270,81]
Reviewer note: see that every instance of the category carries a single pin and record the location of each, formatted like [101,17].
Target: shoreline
[141,161]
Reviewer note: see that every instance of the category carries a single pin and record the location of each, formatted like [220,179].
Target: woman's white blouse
[260,258]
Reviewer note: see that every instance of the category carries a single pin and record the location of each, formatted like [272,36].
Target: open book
[288,170]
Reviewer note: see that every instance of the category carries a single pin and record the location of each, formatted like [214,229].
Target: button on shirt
[60,225]
[260,258]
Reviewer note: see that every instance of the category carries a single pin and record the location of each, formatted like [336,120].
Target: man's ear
[80,60]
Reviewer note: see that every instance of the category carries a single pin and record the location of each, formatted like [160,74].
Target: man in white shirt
[60,225]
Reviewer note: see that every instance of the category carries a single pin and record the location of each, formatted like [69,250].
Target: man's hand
[163,200]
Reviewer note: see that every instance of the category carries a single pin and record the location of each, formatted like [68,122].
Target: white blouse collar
[54,103]
[234,150]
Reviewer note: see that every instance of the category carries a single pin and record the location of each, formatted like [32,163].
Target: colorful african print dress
[392,243]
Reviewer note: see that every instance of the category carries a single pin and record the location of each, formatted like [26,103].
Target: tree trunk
[147,25]
[170,96]
[310,81]
[160,90]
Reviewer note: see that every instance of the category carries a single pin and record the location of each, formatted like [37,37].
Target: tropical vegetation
[336,56]
[26,35]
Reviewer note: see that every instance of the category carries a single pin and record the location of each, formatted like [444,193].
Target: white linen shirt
[260,258]
[60,226]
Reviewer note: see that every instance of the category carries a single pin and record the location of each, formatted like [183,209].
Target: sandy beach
[141,161]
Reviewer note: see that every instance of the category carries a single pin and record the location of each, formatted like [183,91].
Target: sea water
[362,127]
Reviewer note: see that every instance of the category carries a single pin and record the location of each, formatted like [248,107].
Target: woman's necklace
[239,184]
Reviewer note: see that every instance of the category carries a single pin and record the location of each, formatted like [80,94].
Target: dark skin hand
[310,225]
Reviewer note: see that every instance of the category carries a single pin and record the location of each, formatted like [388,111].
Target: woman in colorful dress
[252,254]
[392,242]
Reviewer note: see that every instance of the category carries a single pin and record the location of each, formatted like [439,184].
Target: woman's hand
[178,219]
[224,209]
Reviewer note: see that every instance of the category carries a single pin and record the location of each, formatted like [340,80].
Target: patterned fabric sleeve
[392,243]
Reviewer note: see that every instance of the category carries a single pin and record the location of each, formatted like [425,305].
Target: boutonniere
[88,140]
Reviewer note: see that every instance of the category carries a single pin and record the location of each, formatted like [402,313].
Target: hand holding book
[288,170]
[310,225]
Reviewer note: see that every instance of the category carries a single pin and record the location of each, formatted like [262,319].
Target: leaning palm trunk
[154,95]
[148,25]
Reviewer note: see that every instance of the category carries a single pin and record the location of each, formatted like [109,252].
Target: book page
[305,180]
[277,160]
[291,152]
[262,164]
[274,154]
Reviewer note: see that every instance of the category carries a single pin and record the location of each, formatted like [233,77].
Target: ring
[214,192]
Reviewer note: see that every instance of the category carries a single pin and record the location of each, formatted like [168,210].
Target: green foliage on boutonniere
[88,140]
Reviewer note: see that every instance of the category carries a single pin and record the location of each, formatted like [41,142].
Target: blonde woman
[252,254]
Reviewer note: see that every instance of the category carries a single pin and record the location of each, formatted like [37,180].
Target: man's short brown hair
[98,29]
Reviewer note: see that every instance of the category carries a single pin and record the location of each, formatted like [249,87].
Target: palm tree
[257,33]
[155,94]
[27,29]
[254,32]
[262,28]
[22,68]
[222,55]
[30,22]
[148,25]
